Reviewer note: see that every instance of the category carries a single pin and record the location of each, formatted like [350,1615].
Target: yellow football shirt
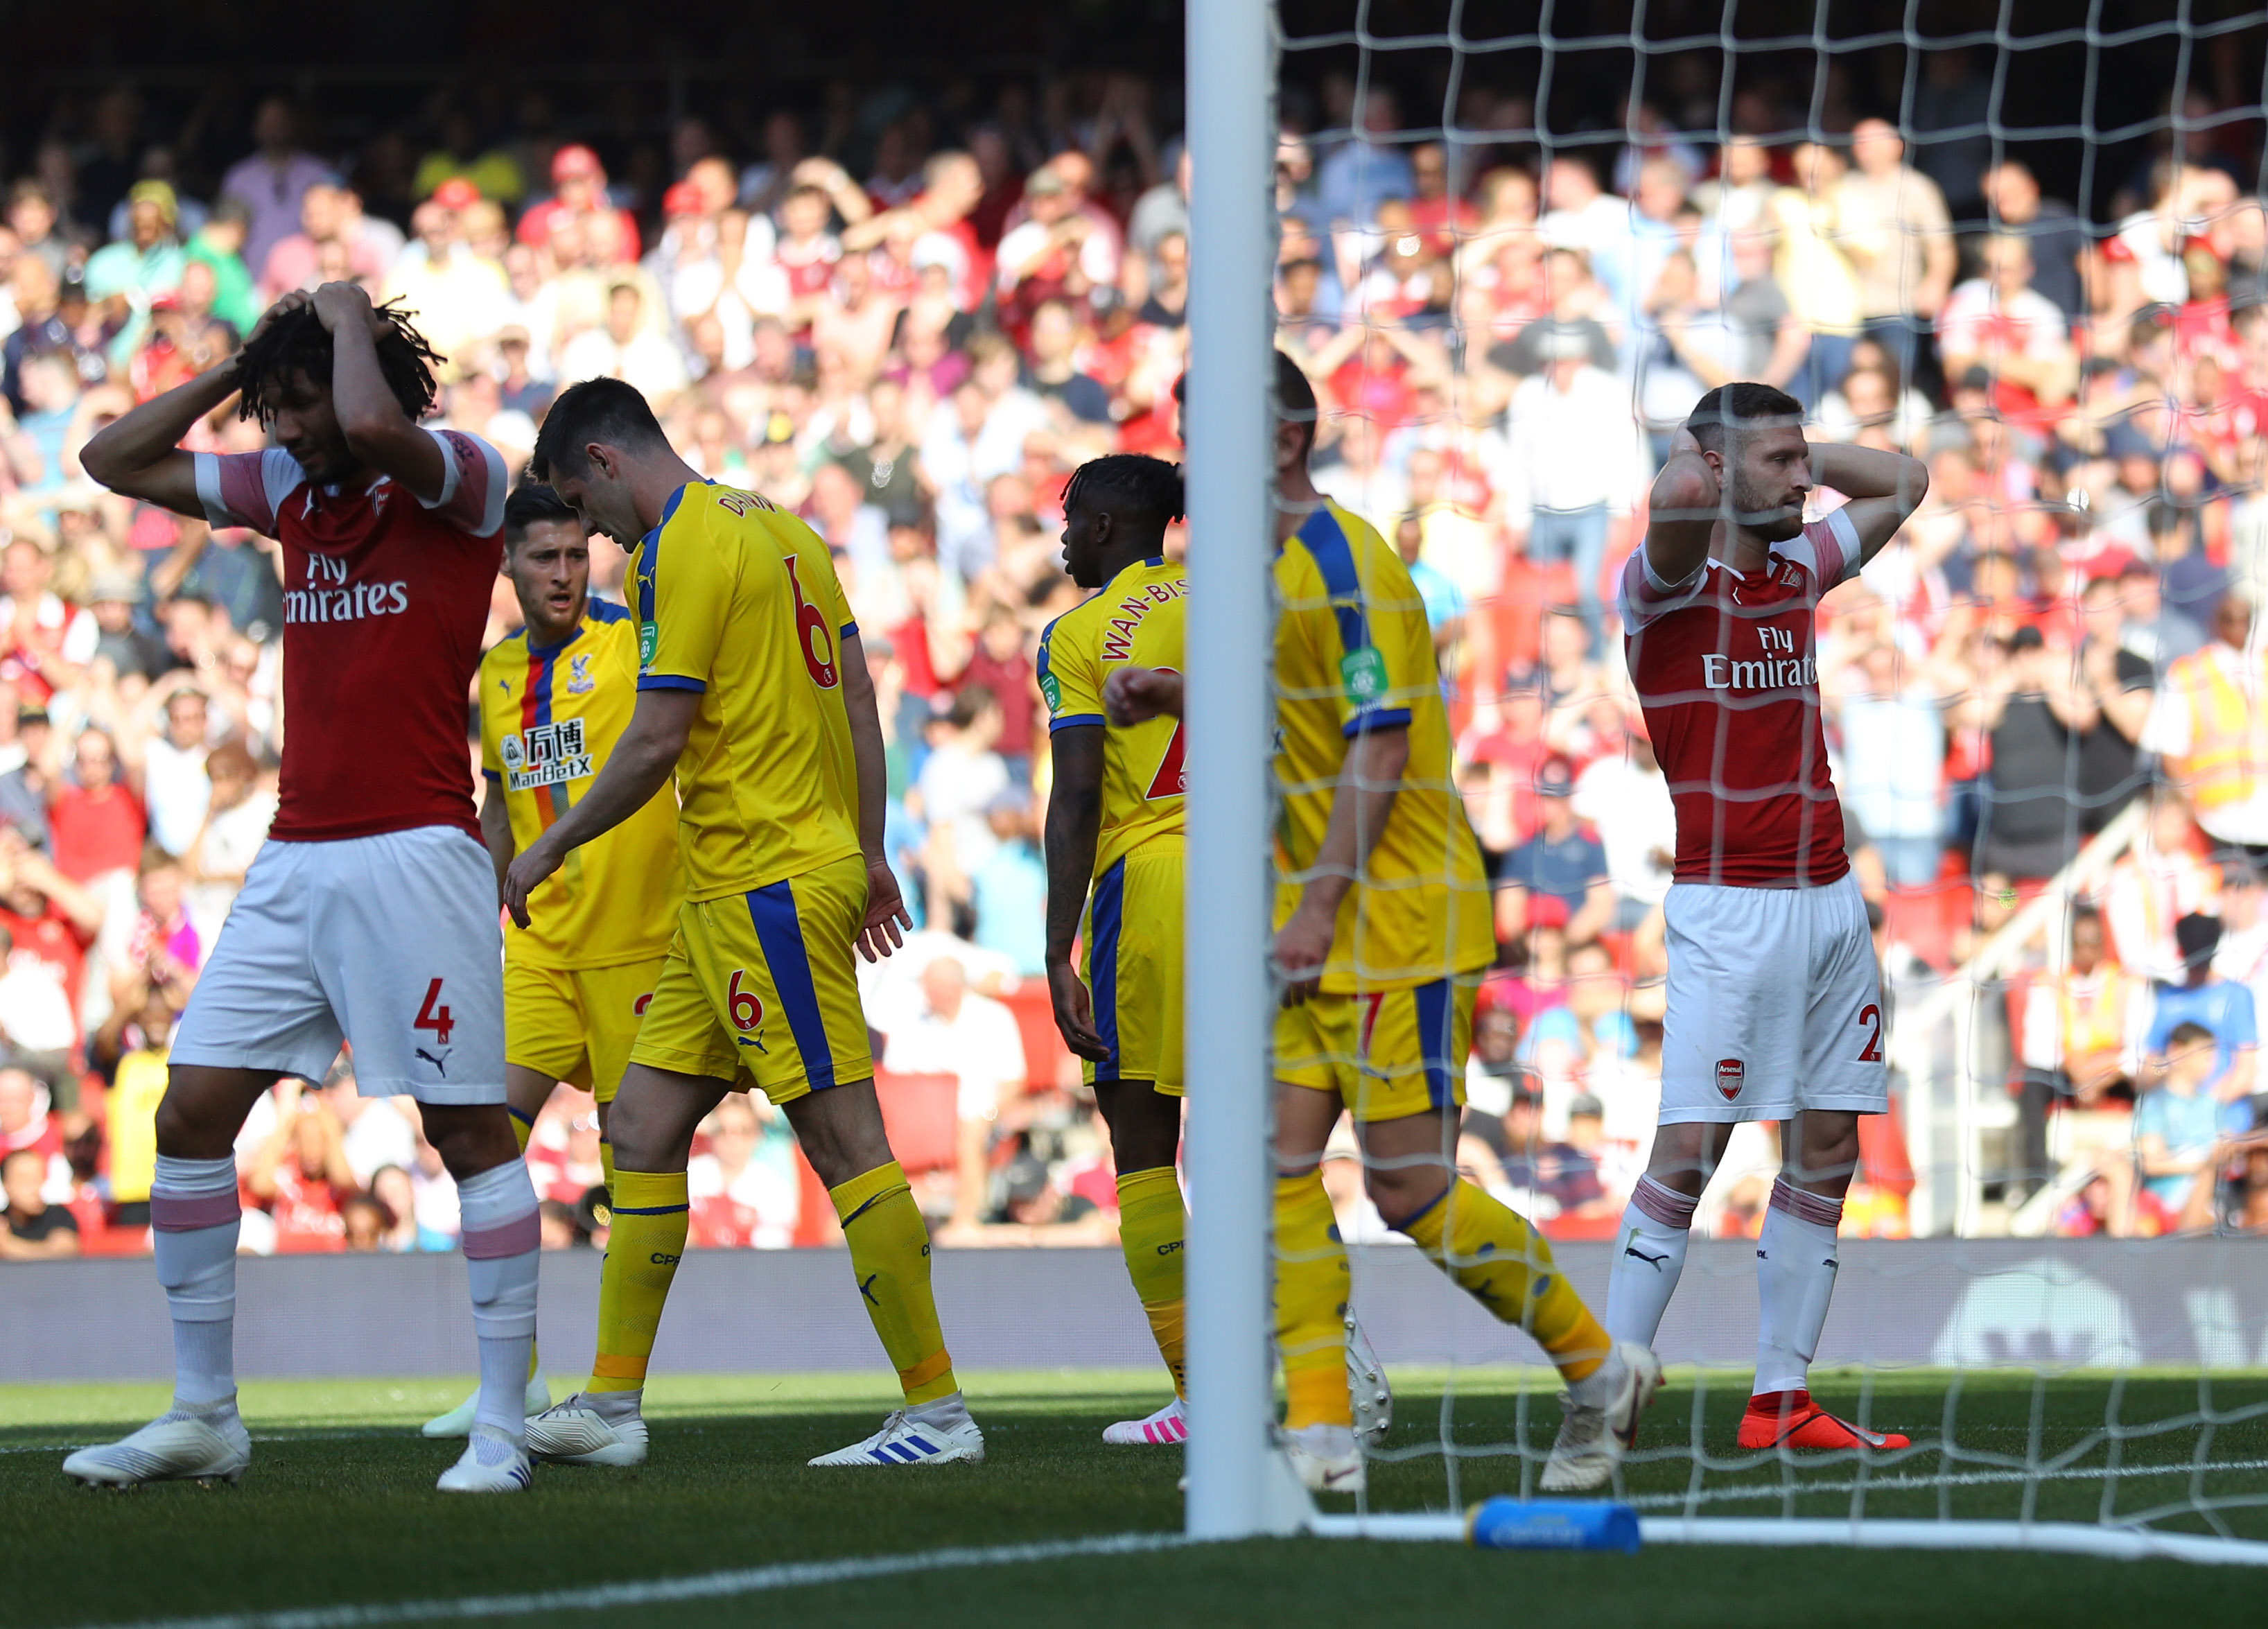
[550,717]
[740,602]
[1137,617]
[1353,650]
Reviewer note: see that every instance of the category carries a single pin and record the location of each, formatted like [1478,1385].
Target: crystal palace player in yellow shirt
[554,698]
[1114,819]
[754,689]
[1383,928]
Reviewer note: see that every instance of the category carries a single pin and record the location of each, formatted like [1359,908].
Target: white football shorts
[1775,1004]
[389,942]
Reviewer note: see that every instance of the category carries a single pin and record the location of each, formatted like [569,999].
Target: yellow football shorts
[1387,1053]
[576,1025]
[1133,971]
[764,982]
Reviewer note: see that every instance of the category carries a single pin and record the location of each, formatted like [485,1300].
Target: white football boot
[492,1463]
[905,1440]
[576,1433]
[458,1422]
[1367,1387]
[1166,1428]
[1326,1458]
[184,1445]
[1594,1436]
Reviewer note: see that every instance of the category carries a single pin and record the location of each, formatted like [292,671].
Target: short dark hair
[598,410]
[297,342]
[2189,1035]
[1132,486]
[531,503]
[1295,397]
[1740,403]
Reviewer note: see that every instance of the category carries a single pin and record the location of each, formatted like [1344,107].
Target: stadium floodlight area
[2022,1436]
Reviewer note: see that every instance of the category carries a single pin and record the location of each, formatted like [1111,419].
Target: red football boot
[1792,1419]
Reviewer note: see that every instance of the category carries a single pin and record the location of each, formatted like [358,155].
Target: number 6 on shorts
[746,1006]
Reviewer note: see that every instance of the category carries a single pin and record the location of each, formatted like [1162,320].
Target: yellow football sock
[645,1242]
[1488,1248]
[889,1258]
[1150,1228]
[1311,1301]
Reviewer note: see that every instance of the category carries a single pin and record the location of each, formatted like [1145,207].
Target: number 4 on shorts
[434,1016]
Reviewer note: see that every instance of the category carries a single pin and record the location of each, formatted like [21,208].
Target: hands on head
[336,304]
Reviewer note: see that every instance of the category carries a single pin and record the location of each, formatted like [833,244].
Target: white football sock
[943,1412]
[501,1237]
[1649,1256]
[1795,1278]
[612,1405]
[193,1219]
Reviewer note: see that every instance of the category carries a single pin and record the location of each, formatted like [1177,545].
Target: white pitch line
[648,1592]
[1908,1484]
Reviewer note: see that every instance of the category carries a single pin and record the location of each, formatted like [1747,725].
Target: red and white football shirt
[384,599]
[1725,667]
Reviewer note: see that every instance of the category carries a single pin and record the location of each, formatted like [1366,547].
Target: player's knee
[1828,1150]
[841,1131]
[175,1123]
[1145,1124]
[632,1133]
[1403,1190]
[1680,1161]
[470,1138]
[188,1125]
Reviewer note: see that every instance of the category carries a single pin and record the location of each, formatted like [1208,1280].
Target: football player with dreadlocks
[370,914]
[1115,884]
[1115,820]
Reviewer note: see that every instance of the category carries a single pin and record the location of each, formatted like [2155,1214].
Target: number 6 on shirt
[813,634]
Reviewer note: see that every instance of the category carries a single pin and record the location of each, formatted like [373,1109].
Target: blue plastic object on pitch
[1507,1523]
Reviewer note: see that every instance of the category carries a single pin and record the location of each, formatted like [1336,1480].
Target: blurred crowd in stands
[910,326]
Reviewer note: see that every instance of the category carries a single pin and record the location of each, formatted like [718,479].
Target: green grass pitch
[338,1510]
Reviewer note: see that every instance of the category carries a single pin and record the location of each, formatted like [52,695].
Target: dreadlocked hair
[295,341]
[1130,485]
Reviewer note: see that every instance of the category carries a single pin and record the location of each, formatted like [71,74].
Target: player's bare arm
[886,917]
[1682,511]
[638,767]
[495,832]
[1884,489]
[140,454]
[1368,783]
[1135,694]
[1074,824]
[379,433]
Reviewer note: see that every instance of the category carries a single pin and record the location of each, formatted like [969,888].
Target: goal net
[1511,247]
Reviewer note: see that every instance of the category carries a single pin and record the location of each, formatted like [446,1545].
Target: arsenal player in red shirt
[1775,998]
[370,914]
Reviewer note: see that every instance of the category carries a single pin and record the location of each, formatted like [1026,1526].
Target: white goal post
[1232,138]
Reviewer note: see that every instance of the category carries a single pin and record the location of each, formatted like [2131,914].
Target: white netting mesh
[1519,242]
